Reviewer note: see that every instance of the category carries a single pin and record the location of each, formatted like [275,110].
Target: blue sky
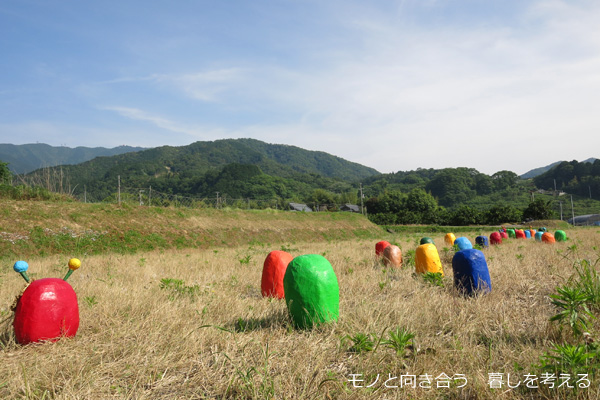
[394,85]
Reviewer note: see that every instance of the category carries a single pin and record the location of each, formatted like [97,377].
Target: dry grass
[220,339]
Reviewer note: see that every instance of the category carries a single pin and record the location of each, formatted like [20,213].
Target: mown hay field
[192,324]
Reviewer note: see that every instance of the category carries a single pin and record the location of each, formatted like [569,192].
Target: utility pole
[561,215]
[572,210]
[362,208]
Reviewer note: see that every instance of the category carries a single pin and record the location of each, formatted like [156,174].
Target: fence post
[150,197]
[119,195]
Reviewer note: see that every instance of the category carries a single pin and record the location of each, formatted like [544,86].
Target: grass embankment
[38,228]
[191,324]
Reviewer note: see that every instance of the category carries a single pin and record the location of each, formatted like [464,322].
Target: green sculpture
[426,240]
[560,236]
[312,293]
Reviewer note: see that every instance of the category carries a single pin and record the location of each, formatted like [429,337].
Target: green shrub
[176,288]
[399,339]
[361,342]
[573,309]
[570,359]
[588,282]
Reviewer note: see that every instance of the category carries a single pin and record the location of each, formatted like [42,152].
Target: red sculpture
[47,310]
[273,272]
[380,246]
[495,238]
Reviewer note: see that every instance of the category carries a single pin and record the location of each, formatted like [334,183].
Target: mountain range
[539,171]
[244,169]
[25,158]
[240,168]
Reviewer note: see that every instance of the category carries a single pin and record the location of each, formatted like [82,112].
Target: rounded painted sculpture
[520,234]
[312,293]
[449,239]
[392,256]
[511,233]
[471,273]
[482,241]
[426,240]
[427,259]
[504,235]
[548,237]
[527,234]
[463,243]
[273,272]
[560,236]
[495,238]
[47,310]
[538,236]
[380,246]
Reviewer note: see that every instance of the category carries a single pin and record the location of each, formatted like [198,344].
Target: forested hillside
[581,178]
[464,196]
[236,168]
[25,158]
[539,171]
[254,174]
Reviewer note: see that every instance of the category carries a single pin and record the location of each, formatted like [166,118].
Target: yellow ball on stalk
[74,264]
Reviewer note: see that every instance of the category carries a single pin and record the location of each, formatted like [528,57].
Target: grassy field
[190,323]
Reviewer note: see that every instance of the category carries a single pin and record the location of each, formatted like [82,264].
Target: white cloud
[204,85]
[457,96]
[193,132]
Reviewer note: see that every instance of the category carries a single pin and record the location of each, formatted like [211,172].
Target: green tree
[484,184]
[5,174]
[321,196]
[421,206]
[453,186]
[504,179]
[385,209]
[539,209]
[465,215]
[388,203]
[500,214]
